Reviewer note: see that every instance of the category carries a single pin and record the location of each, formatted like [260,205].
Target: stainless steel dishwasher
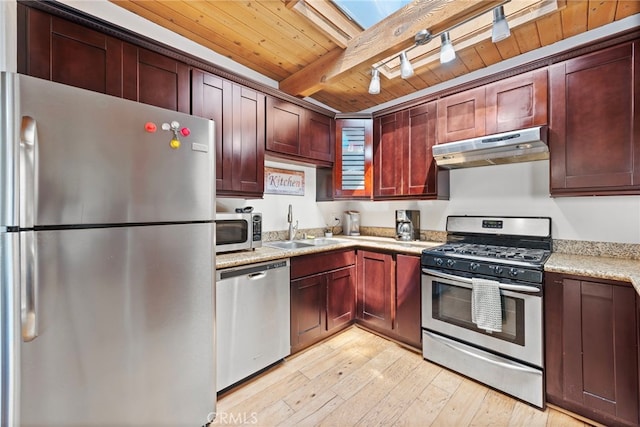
[252,319]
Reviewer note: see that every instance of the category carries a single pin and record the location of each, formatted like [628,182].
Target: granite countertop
[266,253]
[626,270]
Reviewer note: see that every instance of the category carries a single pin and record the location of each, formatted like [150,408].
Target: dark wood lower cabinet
[376,283]
[322,296]
[591,348]
[407,300]
[388,295]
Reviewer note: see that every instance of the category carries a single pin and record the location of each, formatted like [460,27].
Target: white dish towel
[486,305]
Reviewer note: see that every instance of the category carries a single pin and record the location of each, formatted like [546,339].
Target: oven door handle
[503,286]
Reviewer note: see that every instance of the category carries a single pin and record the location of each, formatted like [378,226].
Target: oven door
[446,309]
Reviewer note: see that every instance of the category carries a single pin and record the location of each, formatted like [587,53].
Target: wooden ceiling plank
[488,52]
[321,25]
[550,29]
[383,39]
[334,15]
[600,13]
[200,36]
[508,47]
[472,60]
[574,18]
[289,23]
[527,37]
[234,18]
[627,8]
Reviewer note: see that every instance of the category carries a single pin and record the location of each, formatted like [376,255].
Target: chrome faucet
[292,228]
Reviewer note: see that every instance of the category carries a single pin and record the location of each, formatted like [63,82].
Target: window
[354,165]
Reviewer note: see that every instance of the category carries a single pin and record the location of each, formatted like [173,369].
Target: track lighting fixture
[406,70]
[447,52]
[500,25]
[499,32]
[374,86]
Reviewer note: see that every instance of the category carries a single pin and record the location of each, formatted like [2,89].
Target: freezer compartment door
[94,159]
[126,328]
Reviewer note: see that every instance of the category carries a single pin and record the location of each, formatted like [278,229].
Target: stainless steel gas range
[490,268]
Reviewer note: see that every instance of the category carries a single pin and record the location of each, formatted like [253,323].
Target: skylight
[369,12]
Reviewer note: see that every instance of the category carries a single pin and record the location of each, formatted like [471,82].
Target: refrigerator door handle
[28,286]
[28,168]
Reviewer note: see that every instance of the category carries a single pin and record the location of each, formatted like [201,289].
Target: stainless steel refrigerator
[106,260]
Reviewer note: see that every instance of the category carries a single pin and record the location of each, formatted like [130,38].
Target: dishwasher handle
[253,271]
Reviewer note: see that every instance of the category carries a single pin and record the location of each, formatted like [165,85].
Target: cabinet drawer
[319,263]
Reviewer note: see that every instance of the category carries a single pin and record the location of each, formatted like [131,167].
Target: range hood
[508,147]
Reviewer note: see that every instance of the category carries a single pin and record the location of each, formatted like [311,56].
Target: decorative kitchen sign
[283,181]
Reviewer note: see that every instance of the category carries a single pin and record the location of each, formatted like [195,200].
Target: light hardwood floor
[360,379]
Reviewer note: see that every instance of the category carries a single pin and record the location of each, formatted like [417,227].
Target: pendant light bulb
[500,25]
[374,86]
[406,70]
[447,52]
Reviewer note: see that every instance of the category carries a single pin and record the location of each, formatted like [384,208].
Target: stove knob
[474,266]
[450,263]
[513,272]
[497,269]
[438,261]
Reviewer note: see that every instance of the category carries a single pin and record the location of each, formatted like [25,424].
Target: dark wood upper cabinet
[518,102]
[402,157]
[155,79]
[353,167]
[594,137]
[58,50]
[61,51]
[591,348]
[239,115]
[462,116]
[514,103]
[299,134]
[320,137]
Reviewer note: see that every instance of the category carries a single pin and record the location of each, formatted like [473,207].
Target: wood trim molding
[78,17]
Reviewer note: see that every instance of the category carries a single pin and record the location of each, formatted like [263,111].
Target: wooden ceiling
[313,50]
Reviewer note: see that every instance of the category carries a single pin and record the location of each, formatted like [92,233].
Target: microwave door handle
[503,286]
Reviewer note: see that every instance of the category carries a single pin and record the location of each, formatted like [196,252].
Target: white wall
[517,189]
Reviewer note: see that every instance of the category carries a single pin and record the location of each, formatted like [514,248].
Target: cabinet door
[238,113]
[420,169]
[591,348]
[462,115]
[376,283]
[307,310]
[353,167]
[248,141]
[155,79]
[517,102]
[408,321]
[58,50]
[341,297]
[207,94]
[319,137]
[389,143]
[284,126]
[595,123]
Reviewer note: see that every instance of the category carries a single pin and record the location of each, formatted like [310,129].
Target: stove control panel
[485,269]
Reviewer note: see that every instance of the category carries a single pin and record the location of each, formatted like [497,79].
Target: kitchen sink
[289,244]
[298,244]
[323,241]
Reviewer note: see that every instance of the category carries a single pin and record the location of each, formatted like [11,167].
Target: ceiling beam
[383,39]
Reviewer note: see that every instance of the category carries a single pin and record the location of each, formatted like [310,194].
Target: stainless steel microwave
[238,231]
